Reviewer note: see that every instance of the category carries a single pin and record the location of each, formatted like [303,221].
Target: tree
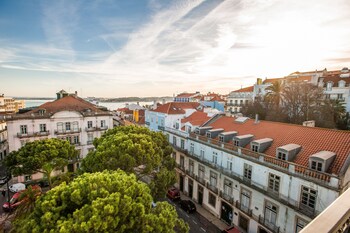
[136,150]
[274,93]
[273,100]
[109,201]
[43,156]
[300,101]
[332,114]
[255,107]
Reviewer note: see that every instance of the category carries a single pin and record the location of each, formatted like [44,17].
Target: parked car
[17,187]
[173,194]
[232,229]
[16,199]
[188,206]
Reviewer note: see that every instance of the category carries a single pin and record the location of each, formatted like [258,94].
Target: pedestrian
[3,192]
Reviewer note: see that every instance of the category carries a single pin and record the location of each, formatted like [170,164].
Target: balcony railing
[33,134]
[161,127]
[286,166]
[147,123]
[59,132]
[200,179]
[270,225]
[89,142]
[244,209]
[212,188]
[226,197]
[91,129]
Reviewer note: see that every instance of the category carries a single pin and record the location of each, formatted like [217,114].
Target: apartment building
[3,140]
[69,117]
[187,97]
[10,105]
[261,176]
[237,99]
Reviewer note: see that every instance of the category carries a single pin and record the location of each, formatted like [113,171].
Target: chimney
[256,118]
[163,101]
[76,94]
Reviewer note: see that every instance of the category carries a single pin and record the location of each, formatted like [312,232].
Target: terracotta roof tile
[246,89]
[68,103]
[185,95]
[176,107]
[196,118]
[312,139]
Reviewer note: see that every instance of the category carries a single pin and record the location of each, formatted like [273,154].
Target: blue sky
[111,48]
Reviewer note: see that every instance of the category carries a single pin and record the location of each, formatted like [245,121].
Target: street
[196,222]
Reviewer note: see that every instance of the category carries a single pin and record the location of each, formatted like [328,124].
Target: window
[182,162]
[270,213]
[300,224]
[246,102]
[274,182]
[236,102]
[27,178]
[212,199]
[177,125]
[67,126]
[89,124]
[174,140]
[282,156]
[327,96]
[42,127]
[90,138]
[191,166]
[23,129]
[213,178]
[59,126]
[245,199]
[340,96]
[227,187]
[329,86]
[308,197]
[221,138]
[182,144]
[202,153]
[103,123]
[255,148]
[229,165]
[191,148]
[189,129]
[75,126]
[201,171]
[316,165]
[241,102]
[236,142]
[215,158]
[208,135]
[247,171]
[76,140]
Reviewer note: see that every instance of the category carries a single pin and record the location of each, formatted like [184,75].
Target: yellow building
[8,104]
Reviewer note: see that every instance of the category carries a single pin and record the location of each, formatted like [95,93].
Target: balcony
[271,226]
[161,127]
[200,179]
[92,129]
[244,209]
[3,141]
[61,132]
[226,197]
[147,123]
[89,142]
[212,188]
[33,134]
[190,173]
[325,179]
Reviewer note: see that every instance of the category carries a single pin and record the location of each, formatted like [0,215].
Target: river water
[109,105]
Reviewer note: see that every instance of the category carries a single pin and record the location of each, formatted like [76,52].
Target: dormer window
[341,83]
[42,112]
[221,139]
[197,131]
[321,160]
[255,148]
[208,135]
[236,142]
[282,155]
[288,152]
[316,166]
[261,145]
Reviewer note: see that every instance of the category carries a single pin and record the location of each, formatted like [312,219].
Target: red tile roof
[311,139]
[335,79]
[68,103]
[272,80]
[246,89]
[217,98]
[196,118]
[176,107]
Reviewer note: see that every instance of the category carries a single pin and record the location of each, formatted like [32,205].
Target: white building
[237,99]
[261,176]
[69,117]
[187,97]
[3,140]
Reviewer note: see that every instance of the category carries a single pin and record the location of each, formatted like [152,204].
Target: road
[197,223]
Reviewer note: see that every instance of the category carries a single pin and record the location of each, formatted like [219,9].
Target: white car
[17,187]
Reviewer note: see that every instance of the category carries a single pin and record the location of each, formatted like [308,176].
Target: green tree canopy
[135,150]
[43,156]
[109,201]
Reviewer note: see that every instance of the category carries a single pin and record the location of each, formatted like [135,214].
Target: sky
[118,48]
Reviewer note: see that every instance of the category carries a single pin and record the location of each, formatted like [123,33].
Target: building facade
[69,118]
[10,105]
[237,99]
[3,140]
[261,176]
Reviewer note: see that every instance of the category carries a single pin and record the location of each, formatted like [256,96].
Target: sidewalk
[206,214]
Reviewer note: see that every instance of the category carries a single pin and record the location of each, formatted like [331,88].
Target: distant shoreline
[106,100]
